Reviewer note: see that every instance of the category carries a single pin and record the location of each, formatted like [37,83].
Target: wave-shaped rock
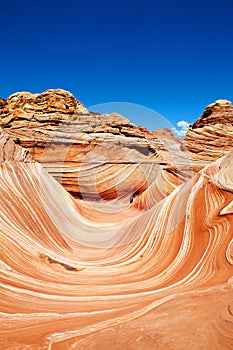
[103,272]
[75,275]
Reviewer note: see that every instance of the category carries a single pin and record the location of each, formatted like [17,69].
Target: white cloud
[183,125]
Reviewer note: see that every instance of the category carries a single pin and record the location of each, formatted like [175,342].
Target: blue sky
[174,57]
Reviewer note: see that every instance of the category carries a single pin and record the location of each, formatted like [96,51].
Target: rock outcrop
[98,269]
[60,133]
[2,105]
[10,151]
[83,275]
[210,137]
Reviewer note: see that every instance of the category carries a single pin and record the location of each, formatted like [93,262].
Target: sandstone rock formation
[2,105]
[210,137]
[60,133]
[100,272]
[10,151]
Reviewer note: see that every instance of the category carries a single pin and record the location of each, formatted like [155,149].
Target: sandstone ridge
[210,137]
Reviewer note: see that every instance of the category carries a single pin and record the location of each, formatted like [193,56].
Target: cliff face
[210,137]
[104,272]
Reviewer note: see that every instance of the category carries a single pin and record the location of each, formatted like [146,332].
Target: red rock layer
[99,272]
[60,133]
[99,275]
[10,151]
[210,137]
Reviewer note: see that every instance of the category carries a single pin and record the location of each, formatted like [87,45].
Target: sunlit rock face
[60,133]
[104,272]
[210,137]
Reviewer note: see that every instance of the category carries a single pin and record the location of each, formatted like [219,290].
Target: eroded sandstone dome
[210,137]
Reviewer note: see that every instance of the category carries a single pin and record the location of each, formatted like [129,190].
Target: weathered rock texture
[2,105]
[10,151]
[60,133]
[210,137]
[104,274]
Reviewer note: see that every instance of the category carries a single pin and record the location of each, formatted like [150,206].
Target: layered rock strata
[211,136]
[60,133]
[10,151]
[83,275]
[104,272]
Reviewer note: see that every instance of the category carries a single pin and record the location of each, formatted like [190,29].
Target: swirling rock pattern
[103,273]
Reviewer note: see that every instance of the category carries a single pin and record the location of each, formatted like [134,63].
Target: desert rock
[93,269]
[210,137]
[60,133]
